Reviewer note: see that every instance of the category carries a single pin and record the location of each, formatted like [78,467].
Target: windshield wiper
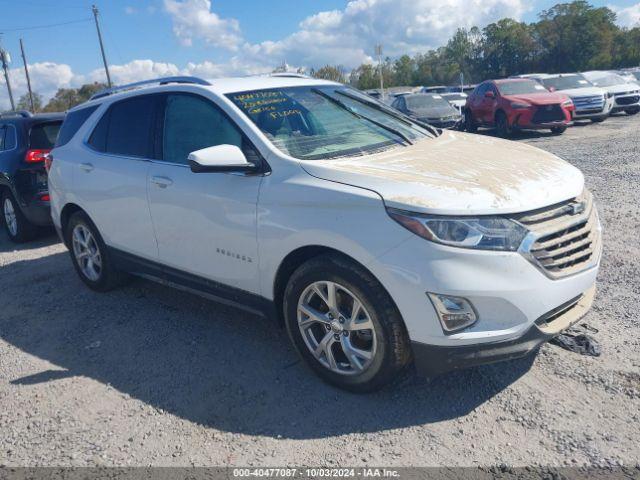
[390,111]
[343,105]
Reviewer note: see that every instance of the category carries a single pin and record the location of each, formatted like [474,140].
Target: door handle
[87,167]
[162,182]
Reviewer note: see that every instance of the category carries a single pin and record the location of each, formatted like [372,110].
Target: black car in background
[25,140]
[430,108]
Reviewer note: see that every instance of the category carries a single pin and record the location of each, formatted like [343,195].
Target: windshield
[320,122]
[521,87]
[421,102]
[636,74]
[455,96]
[608,80]
[566,82]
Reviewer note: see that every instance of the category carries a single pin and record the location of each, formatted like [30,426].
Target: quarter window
[10,140]
[72,124]
[2,131]
[192,123]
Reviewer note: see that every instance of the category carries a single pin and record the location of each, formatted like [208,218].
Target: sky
[213,38]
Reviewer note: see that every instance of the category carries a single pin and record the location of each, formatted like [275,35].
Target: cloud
[46,79]
[129,10]
[628,17]
[194,19]
[348,36]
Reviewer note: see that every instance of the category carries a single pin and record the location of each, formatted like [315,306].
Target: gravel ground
[151,376]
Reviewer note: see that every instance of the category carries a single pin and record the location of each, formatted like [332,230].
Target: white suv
[378,241]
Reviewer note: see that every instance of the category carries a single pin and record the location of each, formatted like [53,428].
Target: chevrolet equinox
[378,240]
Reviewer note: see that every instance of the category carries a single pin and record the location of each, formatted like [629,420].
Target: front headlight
[567,103]
[482,232]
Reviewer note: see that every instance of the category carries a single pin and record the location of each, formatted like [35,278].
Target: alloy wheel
[336,328]
[87,253]
[10,217]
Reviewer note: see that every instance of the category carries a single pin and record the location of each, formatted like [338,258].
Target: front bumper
[432,360]
[626,102]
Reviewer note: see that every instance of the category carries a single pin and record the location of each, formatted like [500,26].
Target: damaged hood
[458,174]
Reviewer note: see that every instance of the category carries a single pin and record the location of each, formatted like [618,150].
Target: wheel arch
[65,214]
[295,259]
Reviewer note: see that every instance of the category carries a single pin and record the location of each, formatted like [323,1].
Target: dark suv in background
[25,140]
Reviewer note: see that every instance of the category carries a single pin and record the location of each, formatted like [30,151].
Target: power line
[19,29]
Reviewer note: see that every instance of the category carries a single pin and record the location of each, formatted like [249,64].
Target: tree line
[568,37]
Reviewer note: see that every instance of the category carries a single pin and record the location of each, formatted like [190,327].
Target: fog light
[455,313]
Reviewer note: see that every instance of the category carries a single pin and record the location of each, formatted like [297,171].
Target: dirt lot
[151,376]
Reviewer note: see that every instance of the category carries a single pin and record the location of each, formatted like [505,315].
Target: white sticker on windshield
[437,96]
[582,82]
[539,87]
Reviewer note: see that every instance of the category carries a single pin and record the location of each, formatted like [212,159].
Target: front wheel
[344,324]
[598,120]
[469,125]
[632,111]
[503,128]
[558,130]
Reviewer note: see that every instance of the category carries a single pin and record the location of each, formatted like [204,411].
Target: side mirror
[221,158]
[489,94]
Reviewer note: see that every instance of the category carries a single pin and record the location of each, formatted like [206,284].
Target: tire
[632,111]
[469,125]
[18,228]
[503,128]
[558,130]
[383,351]
[598,120]
[86,246]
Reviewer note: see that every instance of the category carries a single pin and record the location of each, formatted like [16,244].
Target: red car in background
[517,103]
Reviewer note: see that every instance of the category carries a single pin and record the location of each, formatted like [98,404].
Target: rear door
[111,175]
[205,223]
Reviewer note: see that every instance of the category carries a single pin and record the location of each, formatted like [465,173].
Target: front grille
[591,102]
[627,100]
[565,238]
[548,113]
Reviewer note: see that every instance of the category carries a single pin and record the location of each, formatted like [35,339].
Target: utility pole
[94,9]
[379,53]
[26,72]
[6,59]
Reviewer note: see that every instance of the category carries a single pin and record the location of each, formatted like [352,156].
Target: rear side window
[43,135]
[72,123]
[127,128]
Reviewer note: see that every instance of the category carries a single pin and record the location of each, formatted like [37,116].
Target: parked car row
[308,202]
[531,101]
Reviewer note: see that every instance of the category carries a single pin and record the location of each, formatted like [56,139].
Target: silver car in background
[626,94]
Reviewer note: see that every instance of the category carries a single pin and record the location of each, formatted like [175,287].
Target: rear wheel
[503,128]
[469,125]
[344,324]
[558,130]
[90,255]
[18,228]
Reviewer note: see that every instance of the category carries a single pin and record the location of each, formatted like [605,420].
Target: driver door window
[192,123]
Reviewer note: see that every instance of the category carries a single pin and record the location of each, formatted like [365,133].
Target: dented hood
[459,174]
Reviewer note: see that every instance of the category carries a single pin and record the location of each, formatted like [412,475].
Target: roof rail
[17,113]
[288,75]
[160,81]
